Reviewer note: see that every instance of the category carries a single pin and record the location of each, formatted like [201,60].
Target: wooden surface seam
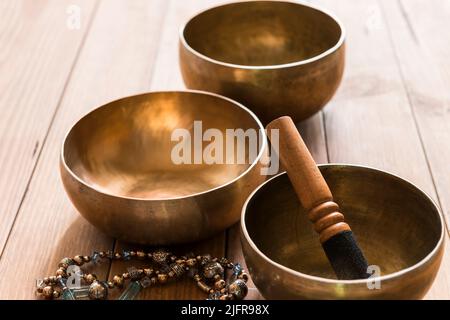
[391,112]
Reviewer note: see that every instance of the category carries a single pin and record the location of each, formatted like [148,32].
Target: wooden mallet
[335,234]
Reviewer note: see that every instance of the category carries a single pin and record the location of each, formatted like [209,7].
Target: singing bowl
[118,170]
[398,227]
[276,57]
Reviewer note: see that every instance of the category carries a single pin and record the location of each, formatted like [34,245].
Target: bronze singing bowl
[276,57]
[398,227]
[117,168]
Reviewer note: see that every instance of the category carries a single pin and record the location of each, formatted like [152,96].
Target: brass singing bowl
[118,170]
[398,227]
[276,57]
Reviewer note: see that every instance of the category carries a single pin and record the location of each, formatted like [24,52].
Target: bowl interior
[259,33]
[395,224]
[125,148]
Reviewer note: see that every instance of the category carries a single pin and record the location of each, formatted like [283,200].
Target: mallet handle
[308,183]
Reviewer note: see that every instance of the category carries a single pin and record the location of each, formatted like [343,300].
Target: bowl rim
[261,152]
[389,276]
[324,54]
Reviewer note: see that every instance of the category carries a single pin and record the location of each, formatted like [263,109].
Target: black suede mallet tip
[346,257]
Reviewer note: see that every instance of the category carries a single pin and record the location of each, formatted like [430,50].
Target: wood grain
[372,123]
[304,175]
[391,112]
[166,76]
[116,60]
[37,52]
[421,55]
[415,29]
[312,131]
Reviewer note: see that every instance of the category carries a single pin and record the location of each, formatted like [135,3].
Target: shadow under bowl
[120,165]
[398,227]
[276,57]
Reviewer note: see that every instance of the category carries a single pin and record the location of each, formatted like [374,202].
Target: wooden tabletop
[391,112]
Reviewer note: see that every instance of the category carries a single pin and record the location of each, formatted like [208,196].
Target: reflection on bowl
[118,168]
[276,57]
[398,227]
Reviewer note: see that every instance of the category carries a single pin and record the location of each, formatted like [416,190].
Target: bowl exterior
[162,222]
[276,282]
[296,90]
[279,282]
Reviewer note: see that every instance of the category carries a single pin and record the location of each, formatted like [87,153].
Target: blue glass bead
[63,282]
[132,291]
[237,269]
[126,255]
[95,258]
[67,294]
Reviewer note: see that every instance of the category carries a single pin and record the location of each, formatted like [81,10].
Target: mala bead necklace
[163,267]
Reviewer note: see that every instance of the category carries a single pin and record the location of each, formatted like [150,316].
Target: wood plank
[372,97]
[167,76]
[372,122]
[116,60]
[423,58]
[415,33]
[312,131]
[37,54]
[183,289]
